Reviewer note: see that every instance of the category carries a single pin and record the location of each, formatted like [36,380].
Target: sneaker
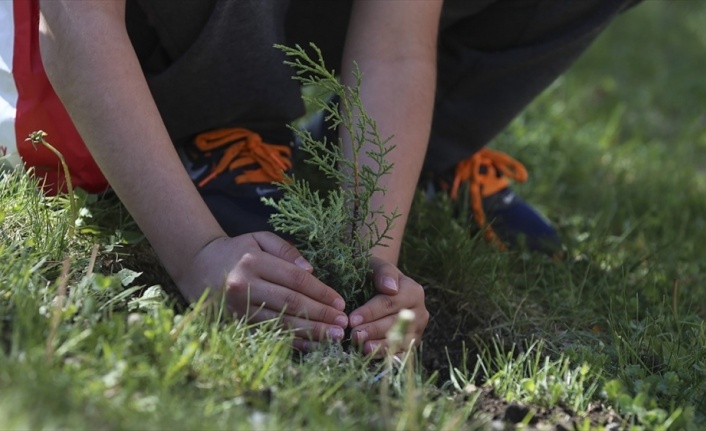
[233,170]
[507,220]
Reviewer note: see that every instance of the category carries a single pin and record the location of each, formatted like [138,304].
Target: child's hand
[370,322]
[263,277]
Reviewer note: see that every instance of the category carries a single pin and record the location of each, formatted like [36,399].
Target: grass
[613,334]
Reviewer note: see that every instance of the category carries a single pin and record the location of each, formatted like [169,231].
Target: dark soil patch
[503,415]
[449,332]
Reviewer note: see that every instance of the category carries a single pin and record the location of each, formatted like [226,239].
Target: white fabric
[8,90]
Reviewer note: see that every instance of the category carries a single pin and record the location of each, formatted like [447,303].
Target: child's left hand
[370,322]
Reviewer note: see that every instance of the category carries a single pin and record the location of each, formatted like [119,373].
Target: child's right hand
[262,276]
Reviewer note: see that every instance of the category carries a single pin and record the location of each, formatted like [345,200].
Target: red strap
[39,108]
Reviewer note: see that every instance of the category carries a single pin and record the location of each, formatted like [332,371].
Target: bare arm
[92,65]
[90,61]
[394,44]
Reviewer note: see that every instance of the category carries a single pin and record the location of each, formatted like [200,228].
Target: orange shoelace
[483,184]
[245,148]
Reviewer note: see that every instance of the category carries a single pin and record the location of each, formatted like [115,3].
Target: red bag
[28,103]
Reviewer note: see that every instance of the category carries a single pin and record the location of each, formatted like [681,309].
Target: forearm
[90,61]
[405,114]
[399,77]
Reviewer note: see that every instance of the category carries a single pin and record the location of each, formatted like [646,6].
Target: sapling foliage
[336,230]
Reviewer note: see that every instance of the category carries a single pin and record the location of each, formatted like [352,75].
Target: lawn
[612,336]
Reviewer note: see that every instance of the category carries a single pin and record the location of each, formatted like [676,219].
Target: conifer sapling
[336,232]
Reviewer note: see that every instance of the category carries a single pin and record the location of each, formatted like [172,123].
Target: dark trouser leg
[211,64]
[494,61]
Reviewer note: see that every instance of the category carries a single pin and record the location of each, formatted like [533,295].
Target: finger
[304,345]
[383,305]
[380,347]
[293,303]
[375,348]
[280,272]
[385,276]
[276,246]
[373,331]
[377,308]
[301,328]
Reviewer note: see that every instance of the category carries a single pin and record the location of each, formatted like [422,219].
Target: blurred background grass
[651,61]
[622,136]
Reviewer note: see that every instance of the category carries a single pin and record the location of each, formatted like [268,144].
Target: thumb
[386,276]
[276,246]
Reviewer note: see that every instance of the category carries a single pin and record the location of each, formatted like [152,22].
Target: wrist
[180,255]
[389,253]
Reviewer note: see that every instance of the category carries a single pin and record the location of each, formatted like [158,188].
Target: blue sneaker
[507,220]
[233,169]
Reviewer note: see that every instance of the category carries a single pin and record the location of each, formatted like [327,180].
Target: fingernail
[341,321]
[356,320]
[390,283]
[339,304]
[303,264]
[335,334]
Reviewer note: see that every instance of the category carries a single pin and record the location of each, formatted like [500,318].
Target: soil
[502,415]
[449,332]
